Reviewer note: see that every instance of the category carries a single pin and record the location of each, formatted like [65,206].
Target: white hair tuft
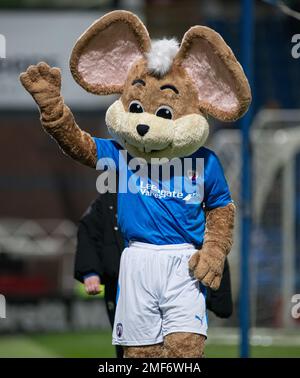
[161,55]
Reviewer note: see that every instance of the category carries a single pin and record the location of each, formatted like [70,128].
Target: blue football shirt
[159,209]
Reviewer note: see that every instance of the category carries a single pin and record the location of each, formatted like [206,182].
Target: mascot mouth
[146,149]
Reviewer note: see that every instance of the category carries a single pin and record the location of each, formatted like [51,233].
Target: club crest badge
[192,174]
[119,330]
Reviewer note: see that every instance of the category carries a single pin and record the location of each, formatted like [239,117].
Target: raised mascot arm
[44,84]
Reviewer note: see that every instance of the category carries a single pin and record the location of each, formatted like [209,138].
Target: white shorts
[157,295]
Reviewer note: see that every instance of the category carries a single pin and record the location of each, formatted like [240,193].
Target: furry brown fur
[205,38]
[175,345]
[94,32]
[184,345]
[73,141]
[208,263]
[44,83]
[148,351]
[150,95]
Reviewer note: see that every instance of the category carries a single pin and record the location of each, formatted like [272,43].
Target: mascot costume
[175,247]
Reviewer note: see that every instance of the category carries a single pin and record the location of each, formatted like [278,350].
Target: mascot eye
[136,107]
[164,112]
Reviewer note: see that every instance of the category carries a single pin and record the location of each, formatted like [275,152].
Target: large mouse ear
[222,86]
[104,54]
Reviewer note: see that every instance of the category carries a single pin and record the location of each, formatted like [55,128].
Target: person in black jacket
[97,259]
[98,253]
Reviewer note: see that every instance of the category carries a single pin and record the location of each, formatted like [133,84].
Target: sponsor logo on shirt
[153,190]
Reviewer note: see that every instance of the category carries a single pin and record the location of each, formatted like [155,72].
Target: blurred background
[43,193]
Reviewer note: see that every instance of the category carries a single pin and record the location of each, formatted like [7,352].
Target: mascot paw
[42,82]
[207,266]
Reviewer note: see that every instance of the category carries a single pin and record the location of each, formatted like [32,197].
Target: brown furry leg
[184,344]
[147,351]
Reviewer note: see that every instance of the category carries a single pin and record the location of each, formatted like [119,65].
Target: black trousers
[110,302]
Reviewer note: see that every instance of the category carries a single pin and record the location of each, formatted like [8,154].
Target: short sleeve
[216,190]
[107,150]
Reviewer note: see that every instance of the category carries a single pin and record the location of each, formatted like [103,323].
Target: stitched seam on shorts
[138,343]
[189,330]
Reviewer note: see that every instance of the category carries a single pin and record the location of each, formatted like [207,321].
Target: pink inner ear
[214,82]
[107,58]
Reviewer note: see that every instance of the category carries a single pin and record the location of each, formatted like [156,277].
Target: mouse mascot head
[166,91]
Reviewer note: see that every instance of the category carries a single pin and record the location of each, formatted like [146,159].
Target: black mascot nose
[142,129]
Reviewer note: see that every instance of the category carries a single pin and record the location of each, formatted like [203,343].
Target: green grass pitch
[98,344]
